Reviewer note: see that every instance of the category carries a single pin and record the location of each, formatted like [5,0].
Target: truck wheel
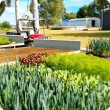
[30,44]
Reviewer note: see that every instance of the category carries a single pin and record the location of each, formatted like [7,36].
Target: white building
[91,22]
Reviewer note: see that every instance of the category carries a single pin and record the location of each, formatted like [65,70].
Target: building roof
[105,9]
[92,18]
[66,19]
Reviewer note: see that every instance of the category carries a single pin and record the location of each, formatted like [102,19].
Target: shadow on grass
[82,34]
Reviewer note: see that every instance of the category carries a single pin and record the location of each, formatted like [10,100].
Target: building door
[93,23]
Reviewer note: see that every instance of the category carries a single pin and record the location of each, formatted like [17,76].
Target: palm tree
[3,5]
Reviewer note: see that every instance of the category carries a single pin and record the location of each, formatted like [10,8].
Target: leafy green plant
[4,40]
[99,46]
[74,77]
[23,88]
[80,63]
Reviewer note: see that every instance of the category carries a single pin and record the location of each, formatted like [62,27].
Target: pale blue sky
[71,6]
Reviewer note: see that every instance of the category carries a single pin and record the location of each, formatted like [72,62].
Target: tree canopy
[3,5]
[71,15]
[82,13]
[88,11]
[51,10]
[100,4]
[92,10]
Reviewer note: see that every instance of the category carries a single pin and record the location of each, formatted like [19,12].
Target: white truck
[28,35]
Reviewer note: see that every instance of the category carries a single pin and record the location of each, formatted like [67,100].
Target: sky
[9,14]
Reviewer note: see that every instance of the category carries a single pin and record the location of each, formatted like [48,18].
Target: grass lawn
[93,27]
[84,36]
[4,30]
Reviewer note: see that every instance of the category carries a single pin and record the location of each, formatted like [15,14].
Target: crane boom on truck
[35,15]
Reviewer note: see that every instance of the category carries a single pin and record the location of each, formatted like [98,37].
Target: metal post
[102,20]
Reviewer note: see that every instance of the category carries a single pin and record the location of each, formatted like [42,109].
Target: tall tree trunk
[17,14]
[35,15]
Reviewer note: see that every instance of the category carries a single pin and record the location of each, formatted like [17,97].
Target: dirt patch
[7,55]
[2,32]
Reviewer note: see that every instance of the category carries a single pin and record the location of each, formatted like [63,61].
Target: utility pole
[35,15]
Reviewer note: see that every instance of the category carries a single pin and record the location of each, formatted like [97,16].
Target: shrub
[4,40]
[5,24]
[32,59]
[99,46]
[0,25]
[37,89]
[80,63]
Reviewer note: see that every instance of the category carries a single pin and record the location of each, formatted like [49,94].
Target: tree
[29,23]
[51,10]
[87,11]
[23,23]
[71,15]
[92,10]
[100,4]
[82,13]
[3,5]
[5,24]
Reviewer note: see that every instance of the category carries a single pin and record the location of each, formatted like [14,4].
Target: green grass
[93,27]
[84,36]
[5,29]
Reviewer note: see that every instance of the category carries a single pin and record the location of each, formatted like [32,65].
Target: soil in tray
[107,58]
[8,55]
[104,56]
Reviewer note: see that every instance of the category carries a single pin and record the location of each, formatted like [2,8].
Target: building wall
[74,23]
[89,23]
[97,23]
[106,20]
[80,23]
[64,23]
